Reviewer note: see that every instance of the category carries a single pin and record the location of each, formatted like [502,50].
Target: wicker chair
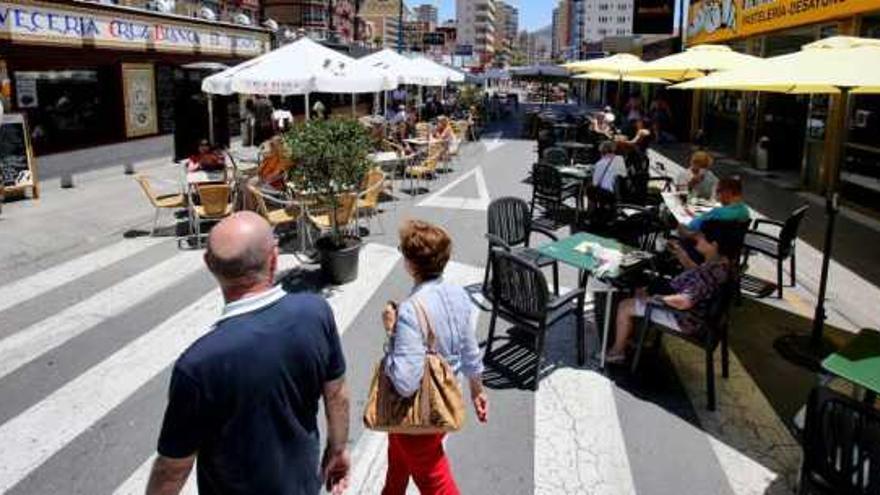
[345,215]
[216,204]
[368,198]
[159,201]
[281,214]
[427,168]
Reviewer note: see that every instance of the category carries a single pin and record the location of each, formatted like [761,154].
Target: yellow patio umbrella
[617,65]
[694,62]
[607,76]
[837,65]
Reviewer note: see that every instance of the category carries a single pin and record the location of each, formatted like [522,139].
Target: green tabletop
[565,251]
[859,361]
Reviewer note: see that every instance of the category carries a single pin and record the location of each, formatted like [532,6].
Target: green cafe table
[605,259]
[859,362]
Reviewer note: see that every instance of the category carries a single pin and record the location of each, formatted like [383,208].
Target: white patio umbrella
[299,68]
[401,70]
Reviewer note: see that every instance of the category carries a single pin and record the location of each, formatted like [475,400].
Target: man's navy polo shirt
[245,396]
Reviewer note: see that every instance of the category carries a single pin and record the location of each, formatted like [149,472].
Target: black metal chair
[521,297]
[778,247]
[586,156]
[711,332]
[510,227]
[841,446]
[556,156]
[550,190]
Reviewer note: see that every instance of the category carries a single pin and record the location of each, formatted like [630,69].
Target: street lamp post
[400,27]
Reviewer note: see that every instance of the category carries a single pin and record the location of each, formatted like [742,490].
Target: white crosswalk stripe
[376,263]
[41,337]
[44,281]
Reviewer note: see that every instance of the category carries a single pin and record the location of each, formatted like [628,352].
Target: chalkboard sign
[17,169]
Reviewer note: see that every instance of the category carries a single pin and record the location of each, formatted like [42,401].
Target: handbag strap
[425,324]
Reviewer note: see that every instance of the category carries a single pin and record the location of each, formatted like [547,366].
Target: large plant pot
[339,263]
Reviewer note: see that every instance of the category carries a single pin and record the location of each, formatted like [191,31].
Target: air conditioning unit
[164,6]
[207,14]
[241,18]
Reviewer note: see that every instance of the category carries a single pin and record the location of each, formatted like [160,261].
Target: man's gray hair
[606,147]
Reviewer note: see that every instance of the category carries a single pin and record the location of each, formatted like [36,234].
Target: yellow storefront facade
[787,134]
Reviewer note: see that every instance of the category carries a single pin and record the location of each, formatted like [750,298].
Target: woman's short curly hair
[426,246]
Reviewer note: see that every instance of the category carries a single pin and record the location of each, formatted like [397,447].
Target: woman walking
[426,249]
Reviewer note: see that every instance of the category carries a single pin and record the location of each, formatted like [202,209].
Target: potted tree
[330,159]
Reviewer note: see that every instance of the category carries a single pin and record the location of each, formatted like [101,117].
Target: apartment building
[331,20]
[384,17]
[476,27]
[603,18]
[426,13]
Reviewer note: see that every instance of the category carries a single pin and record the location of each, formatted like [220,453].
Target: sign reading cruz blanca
[713,21]
[52,24]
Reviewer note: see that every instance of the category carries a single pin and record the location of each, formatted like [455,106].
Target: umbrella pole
[800,349]
[210,118]
[353,106]
[308,110]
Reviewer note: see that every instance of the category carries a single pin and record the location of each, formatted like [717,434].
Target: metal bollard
[128,168]
[66,180]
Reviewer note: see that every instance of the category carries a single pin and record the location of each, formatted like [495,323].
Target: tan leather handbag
[436,407]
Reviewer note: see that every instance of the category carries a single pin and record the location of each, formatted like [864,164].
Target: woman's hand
[389,317]
[479,398]
[481,407]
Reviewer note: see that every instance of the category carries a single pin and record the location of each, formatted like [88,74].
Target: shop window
[68,108]
[861,166]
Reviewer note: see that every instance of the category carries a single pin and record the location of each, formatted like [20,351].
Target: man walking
[244,398]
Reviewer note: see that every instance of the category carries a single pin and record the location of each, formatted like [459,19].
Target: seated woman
[275,165]
[443,131]
[697,179]
[691,292]
[206,159]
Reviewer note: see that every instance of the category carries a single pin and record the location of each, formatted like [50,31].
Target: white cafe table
[200,176]
[682,211]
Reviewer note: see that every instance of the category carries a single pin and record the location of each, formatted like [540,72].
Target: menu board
[17,169]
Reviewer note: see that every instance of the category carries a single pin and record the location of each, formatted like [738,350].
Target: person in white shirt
[399,116]
[609,168]
[282,119]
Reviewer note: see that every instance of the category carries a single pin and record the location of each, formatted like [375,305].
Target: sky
[533,14]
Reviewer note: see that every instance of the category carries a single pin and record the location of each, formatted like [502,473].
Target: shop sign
[712,21]
[26,91]
[72,26]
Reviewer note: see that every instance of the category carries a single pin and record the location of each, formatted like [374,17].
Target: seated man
[697,178]
[691,292]
[609,168]
[730,194]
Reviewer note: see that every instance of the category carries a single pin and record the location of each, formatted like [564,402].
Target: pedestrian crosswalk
[575,434]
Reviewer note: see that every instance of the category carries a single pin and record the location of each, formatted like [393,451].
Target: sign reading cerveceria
[720,20]
[54,24]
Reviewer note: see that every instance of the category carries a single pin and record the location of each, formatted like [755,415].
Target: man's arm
[336,463]
[169,475]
